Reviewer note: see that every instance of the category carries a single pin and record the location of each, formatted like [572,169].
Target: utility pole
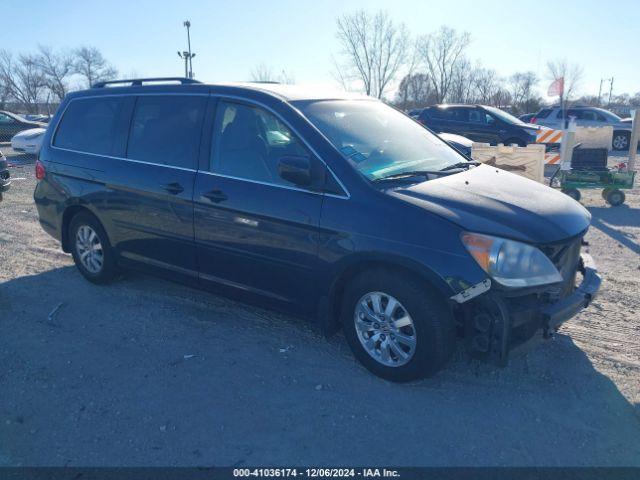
[602,80]
[610,90]
[187,55]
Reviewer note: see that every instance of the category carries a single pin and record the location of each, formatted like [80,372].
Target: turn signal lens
[479,247]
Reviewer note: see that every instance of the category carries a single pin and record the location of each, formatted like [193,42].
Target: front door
[255,231]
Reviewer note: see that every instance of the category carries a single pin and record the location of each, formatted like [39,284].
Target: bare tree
[264,73]
[92,66]
[522,87]
[56,69]
[441,53]
[22,80]
[415,91]
[572,74]
[463,80]
[374,50]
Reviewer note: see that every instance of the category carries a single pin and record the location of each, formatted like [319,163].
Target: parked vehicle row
[332,206]
[11,124]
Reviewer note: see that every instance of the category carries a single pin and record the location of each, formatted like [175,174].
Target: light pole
[187,56]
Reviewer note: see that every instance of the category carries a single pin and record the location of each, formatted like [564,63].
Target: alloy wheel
[89,249]
[385,329]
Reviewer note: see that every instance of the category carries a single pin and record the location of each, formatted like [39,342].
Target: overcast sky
[231,38]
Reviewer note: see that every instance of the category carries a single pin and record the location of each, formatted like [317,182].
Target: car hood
[496,202]
[29,132]
[459,139]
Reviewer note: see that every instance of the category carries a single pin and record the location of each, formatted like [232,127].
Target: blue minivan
[332,206]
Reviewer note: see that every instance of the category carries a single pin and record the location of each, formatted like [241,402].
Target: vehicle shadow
[606,219]
[146,372]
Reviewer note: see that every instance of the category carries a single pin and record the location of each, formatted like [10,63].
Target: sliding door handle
[173,188]
[215,195]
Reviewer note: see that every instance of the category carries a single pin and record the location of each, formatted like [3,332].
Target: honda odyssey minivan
[331,206]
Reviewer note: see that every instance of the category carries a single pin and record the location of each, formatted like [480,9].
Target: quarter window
[249,141]
[90,125]
[166,130]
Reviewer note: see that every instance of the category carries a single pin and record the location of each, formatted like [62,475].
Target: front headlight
[511,263]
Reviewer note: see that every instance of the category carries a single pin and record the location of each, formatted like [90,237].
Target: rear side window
[90,125]
[166,130]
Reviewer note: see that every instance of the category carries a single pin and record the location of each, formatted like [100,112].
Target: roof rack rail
[137,82]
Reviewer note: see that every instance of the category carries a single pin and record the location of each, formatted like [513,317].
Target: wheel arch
[69,212]
[330,310]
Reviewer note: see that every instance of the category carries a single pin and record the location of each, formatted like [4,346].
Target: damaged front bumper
[499,323]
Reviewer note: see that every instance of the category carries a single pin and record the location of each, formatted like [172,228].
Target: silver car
[553,117]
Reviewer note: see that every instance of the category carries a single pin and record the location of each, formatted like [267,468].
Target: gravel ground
[146,372]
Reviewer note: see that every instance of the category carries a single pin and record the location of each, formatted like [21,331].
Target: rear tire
[621,141]
[615,197]
[91,250]
[420,314]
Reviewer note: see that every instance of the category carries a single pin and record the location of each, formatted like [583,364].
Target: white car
[28,141]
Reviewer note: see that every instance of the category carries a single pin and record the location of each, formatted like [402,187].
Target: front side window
[249,142]
[90,125]
[6,119]
[166,130]
[376,139]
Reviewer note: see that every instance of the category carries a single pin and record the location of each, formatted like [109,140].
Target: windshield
[504,116]
[376,139]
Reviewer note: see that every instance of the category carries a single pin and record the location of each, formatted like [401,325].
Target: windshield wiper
[413,173]
[460,165]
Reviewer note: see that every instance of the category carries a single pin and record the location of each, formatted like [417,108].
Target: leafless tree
[92,66]
[522,86]
[415,91]
[572,74]
[22,79]
[441,53]
[463,80]
[374,50]
[56,68]
[264,73]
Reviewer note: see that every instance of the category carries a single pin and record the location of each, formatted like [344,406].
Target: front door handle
[173,188]
[215,195]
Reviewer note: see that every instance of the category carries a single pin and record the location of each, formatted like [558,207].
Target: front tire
[573,193]
[615,197]
[396,325]
[91,250]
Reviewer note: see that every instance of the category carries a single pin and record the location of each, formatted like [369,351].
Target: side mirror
[295,169]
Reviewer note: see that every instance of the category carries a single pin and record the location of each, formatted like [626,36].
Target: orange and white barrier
[549,136]
[552,158]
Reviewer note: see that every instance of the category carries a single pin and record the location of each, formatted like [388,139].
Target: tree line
[378,54]
[32,82]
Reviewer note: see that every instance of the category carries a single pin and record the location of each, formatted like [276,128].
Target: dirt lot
[146,372]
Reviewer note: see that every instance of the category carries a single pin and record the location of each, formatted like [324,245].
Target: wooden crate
[524,161]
